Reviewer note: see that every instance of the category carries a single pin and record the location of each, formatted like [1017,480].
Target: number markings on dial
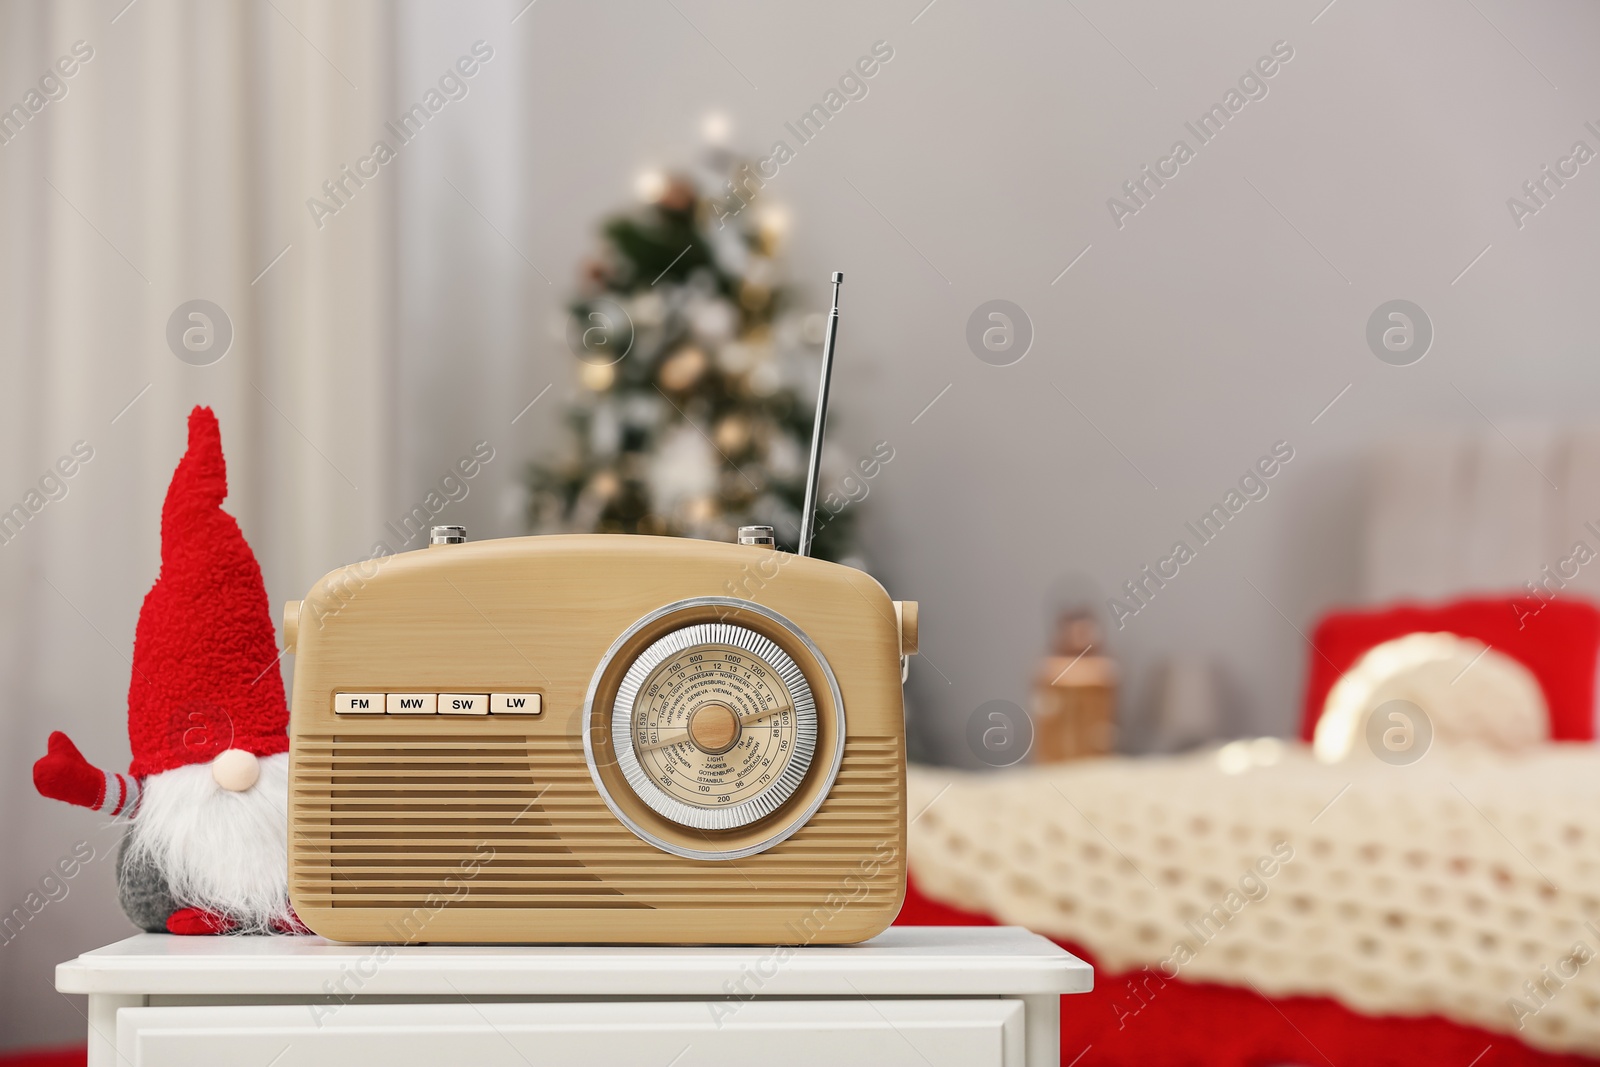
[701,677]
[680,743]
[680,735]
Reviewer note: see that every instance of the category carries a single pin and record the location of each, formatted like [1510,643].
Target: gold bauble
[732,434]
[700,510]
[597,376]
[605,484]
[772,226]
[754,297]
[683,368]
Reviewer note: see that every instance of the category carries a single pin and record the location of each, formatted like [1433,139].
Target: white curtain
[173,164]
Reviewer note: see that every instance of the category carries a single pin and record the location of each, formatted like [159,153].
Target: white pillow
[1469,694]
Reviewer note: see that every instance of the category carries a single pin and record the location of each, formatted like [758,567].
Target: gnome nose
[236,769]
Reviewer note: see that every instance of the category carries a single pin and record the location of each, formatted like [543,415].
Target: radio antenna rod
[808,516]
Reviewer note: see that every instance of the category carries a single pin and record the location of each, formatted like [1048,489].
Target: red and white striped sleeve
[120,796]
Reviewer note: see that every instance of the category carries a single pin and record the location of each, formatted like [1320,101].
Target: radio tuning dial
[714,726]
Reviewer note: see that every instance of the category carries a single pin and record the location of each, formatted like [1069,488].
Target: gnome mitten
[63,774]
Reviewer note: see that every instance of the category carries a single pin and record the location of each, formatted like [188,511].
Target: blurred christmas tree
[694,413]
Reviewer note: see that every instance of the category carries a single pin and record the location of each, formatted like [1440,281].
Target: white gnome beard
[220,850]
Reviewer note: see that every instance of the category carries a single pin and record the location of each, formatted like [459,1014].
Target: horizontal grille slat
[400,822]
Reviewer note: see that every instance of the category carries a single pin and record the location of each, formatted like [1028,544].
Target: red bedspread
[1196,1024]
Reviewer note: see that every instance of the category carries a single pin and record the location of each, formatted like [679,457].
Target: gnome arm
[63,774]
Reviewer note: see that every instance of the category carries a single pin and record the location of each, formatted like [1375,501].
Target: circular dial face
[714,726]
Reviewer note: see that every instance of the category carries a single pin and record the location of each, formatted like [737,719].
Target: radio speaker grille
[510,821]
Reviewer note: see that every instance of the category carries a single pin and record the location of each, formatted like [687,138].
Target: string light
[650,184]
[716,127]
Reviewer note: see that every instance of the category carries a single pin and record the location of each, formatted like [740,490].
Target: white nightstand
[917,996]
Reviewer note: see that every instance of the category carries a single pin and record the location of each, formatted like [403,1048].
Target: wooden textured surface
[491,829]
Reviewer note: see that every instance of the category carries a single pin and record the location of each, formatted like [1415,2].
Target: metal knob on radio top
[758,535]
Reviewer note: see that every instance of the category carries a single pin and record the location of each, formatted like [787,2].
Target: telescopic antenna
[809,514]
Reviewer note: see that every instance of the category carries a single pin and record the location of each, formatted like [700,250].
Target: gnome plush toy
[206,794]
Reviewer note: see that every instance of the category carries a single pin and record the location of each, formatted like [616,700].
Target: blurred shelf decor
[692,417]
[1188,703]
[1075,694]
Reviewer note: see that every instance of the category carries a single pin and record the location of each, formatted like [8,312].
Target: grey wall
[1220,318]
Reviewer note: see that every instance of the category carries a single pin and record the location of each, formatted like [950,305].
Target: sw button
[463,703]
[515,704]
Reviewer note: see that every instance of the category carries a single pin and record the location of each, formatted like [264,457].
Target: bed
[1255,904]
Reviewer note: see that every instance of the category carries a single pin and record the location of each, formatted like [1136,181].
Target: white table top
[902,961]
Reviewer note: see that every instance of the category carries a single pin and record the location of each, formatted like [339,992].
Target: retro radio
[600,738]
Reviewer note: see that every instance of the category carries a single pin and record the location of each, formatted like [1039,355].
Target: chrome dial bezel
[725,816]
[621,734]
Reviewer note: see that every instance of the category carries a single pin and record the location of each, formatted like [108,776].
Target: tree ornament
[677,196]
[713,321]
[597,377]
[683,369]
[765,379]
[700,510]
[605,484]
[732,434]
[684,467]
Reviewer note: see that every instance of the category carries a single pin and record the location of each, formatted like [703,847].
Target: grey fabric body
[143,892]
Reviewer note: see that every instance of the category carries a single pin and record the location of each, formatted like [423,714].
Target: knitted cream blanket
[1466,884]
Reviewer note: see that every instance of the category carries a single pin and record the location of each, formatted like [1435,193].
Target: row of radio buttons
[437,704]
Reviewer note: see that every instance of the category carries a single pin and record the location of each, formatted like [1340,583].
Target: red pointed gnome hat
[205,654]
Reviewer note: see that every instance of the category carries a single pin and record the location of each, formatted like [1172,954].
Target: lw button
[515,704]
[463,703]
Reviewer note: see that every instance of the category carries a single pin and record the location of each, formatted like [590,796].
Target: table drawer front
[773,1033]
